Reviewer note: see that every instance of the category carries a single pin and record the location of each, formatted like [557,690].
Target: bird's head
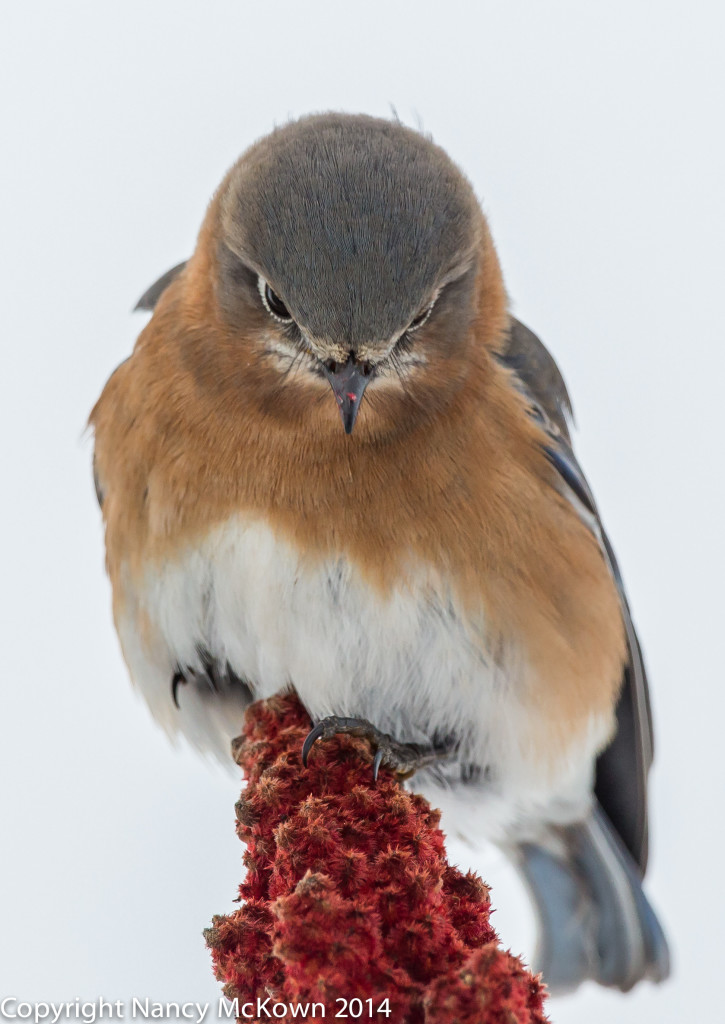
[350,253]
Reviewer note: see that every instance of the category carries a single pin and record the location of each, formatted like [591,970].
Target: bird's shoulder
[527,356]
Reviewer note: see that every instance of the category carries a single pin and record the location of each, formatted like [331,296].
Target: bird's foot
[403,758]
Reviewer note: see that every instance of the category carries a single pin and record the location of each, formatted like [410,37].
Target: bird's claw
[403,758]
[210,676]
[176,682]
[331,726]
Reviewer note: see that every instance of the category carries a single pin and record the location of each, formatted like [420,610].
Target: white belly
[410,662]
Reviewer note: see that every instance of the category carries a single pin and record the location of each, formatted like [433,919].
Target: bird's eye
[421,318]
[272,302]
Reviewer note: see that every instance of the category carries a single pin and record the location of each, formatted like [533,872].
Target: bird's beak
[348,381]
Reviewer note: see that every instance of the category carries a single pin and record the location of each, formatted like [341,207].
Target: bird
[336,461]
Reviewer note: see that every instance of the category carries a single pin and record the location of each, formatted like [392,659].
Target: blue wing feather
[621,774]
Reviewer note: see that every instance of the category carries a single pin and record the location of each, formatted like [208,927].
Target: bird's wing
[152,295]
[147,302]
[621,772]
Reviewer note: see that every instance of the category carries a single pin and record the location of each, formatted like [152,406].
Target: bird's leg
[403,758]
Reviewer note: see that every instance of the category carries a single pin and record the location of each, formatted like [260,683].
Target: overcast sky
[593,136]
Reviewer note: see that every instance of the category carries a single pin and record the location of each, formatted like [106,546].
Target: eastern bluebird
[434,573]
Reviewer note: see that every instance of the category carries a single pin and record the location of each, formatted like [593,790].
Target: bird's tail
[594,919]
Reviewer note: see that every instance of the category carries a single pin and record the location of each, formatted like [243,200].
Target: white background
[593,135]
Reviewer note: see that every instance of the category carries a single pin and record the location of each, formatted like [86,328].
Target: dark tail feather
[594,919]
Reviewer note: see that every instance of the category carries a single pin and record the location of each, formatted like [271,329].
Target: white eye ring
[422,318]
[269,297]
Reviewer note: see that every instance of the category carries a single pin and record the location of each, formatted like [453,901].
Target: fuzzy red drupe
[349,900]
